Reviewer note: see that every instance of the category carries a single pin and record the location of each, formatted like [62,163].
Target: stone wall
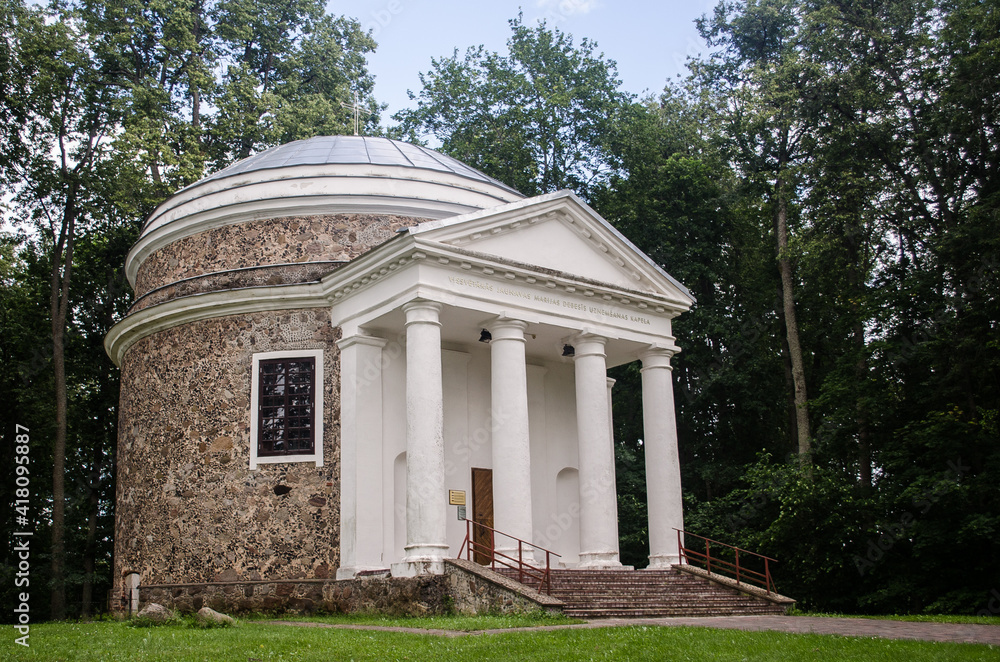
[339,237]
[189,509]
[478,590]
[465,588]
[415,596]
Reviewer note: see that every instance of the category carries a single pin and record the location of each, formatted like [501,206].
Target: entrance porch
[460,360]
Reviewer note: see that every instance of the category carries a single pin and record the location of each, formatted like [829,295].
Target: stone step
[622,593]
[630,588]
[616,602]
[681,607]
[620,604]
[654,613]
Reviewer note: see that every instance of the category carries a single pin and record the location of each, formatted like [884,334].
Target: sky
[649,40]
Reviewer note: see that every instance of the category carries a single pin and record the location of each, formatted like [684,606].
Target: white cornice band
[354,279]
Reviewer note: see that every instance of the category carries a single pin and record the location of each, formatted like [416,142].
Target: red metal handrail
[470,546]
[743,574]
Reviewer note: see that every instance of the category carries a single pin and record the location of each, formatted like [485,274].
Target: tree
[210,83]
[929,74]
[90,90]
[893,220]
[759,73]
[536,118]
[162,56]
[71,110]
[289,67]
[677,198]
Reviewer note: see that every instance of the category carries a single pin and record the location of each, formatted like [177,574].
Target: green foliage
[678,201]
[537,119]
[894,218]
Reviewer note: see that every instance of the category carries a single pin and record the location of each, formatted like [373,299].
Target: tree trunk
[791,429]
[89,557]
[862,419]
[861,412]
[58,601]
[792,326]
[62,262]
[196,111]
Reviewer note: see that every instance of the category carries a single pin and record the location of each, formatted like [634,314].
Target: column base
[417,568]
[421,559]
[352,571]
[660,561]
[599,560]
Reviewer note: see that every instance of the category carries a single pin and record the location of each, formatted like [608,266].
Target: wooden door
[482,513]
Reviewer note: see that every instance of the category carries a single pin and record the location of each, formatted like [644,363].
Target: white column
[611,440]
[510,440]
[598,500]
[426,502]
[360,454]
[663,471]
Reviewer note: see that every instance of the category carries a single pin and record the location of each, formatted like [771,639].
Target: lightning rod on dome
[357,109]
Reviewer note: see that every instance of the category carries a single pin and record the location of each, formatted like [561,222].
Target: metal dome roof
[324,150]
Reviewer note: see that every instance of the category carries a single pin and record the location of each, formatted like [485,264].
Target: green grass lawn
[251,641]
[916,618]
[455,622]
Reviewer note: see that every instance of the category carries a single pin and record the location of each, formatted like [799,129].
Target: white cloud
[568,7]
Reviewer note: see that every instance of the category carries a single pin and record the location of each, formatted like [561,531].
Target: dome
[325,150]
[322,176]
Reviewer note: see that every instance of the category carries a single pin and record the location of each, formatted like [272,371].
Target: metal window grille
[287,407]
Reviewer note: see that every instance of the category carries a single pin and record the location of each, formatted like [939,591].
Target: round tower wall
[258,243]
[190,509]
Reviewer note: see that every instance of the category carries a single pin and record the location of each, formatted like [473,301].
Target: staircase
[648,593]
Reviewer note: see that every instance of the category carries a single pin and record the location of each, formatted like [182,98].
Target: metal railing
[524,570]
[722,566]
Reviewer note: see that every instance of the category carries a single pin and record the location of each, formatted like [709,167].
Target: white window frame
[317,456]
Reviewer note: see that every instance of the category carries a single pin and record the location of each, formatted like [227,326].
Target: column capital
[587,344]
[506,328]
[656,357]
[422,311]
[361,339]
[611,382]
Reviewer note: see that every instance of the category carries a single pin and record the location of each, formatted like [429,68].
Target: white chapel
[341,345]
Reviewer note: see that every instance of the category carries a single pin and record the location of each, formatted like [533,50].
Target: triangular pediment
[560,233]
